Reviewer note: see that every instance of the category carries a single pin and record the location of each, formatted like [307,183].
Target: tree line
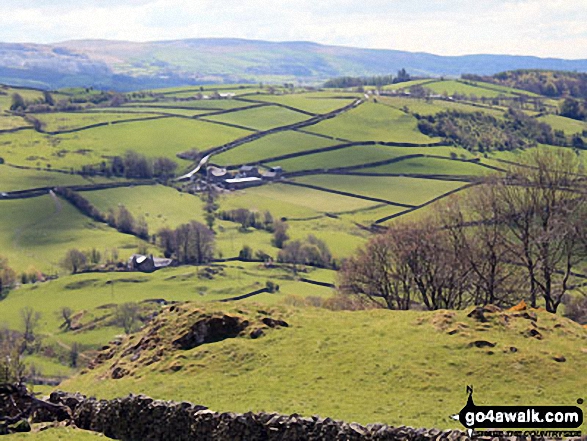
[542,82]
[482,132]
[522,236]
[377,81]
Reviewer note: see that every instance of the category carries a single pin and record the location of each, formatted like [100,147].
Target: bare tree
[30,323]
[544,208]
[66,314]
[127,315]
[74,261]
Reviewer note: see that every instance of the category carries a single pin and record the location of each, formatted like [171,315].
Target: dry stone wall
[141,418]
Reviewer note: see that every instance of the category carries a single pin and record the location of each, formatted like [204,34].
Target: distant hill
[127,65]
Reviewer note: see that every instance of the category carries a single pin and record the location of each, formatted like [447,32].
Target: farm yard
[255,176]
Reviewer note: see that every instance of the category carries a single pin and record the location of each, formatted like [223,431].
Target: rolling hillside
[126,65]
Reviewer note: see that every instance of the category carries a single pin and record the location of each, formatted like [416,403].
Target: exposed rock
[273,323]
[211,329]
[533,332]
[482,344]
[559,358]
[119,372]
[478,314]
[257,333]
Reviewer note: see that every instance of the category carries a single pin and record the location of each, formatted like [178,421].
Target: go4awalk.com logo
[534,420]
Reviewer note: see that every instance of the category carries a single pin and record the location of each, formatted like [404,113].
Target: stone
[482,344]
[257,333]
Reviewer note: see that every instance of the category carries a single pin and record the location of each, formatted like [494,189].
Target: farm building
[249,171]
[238,183]
[216,174]
[147,264]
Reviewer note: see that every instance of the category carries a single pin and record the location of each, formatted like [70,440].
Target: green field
[431,166]
[411,191]
[9,122]
[56,122]
[37,233]
[450,87]
[261,118]
[373,122]
[12,179]
[163,137]
[107,289]
[313,104]
[355,156]
[567,125]
[209,105]
[395,367]
[292,202]
[273,145]
[162,206]
[432,107]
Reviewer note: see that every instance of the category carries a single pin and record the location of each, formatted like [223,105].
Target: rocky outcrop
[210,330]
[141,418]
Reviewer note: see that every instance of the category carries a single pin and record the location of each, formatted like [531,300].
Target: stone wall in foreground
[141,418]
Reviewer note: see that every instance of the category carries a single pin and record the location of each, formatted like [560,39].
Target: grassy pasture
[408,84]
[358,155]
[395,367]
[6,92]
[373,122]
[164,137]
[54,122]
[304,102]
[12,179]
[211,105]
[433,107]
[89,293]
[451,87]
[277,144]
[57,434]
[162,206]
[37,233]
[289,201]
[8,122]
[567,125]
[431,166]
[411,191]
[261,118]
[130,112]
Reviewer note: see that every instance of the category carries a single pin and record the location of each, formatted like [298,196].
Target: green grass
[432,107]
[54,122]
[131,112]
[408,84]
[37,233]
[411,191]
[288,201]
[261,118]
[57,434]
[161,206]
[273,145]
[8,122]
[356,155]
[373,122]
[164,137]
[567,125]
[431,166]
[86,294]
[451,87]
[304,102]
[395,367]
[210,105]
[12,179]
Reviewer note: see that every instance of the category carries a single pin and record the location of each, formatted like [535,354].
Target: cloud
[532,27]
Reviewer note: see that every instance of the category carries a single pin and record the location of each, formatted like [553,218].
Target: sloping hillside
[401,368]
[126,65]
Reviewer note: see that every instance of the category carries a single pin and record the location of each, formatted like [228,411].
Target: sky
[545,28]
